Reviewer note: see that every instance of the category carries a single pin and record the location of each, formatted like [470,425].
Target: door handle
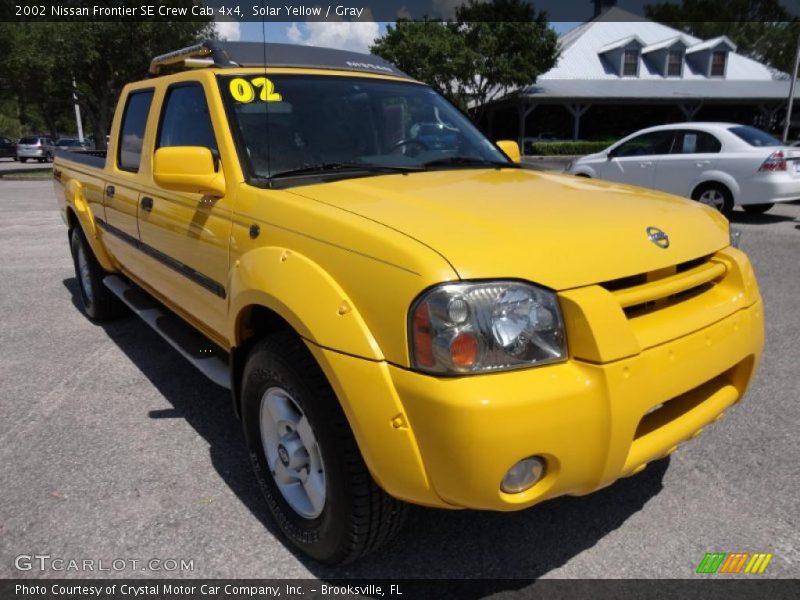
[646,164]
[147,203]
[110,191]
[703,163]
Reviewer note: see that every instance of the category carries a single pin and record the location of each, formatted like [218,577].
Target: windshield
[292,124]
[754,137]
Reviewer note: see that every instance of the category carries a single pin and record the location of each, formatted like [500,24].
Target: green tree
[489,49]
[43,58]
[761,29]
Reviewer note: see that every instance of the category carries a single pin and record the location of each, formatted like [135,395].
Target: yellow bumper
[449,441]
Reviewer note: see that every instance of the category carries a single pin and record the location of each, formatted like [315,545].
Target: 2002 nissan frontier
[402,314]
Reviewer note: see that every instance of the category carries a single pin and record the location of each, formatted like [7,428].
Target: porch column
[690,110]
[577,110]
[524,110]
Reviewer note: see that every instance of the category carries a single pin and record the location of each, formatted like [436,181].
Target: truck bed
[91,158]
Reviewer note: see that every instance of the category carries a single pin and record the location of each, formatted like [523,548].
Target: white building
[620,72]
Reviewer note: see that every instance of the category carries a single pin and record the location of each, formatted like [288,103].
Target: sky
[346,35]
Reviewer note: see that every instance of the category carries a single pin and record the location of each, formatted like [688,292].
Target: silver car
[719,164]
[39,148]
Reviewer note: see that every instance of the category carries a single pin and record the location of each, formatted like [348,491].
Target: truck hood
[555,230]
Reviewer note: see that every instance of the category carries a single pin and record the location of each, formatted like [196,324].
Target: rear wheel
[306,459]
[716,196]
[99,303]
[757,209]
[23,160]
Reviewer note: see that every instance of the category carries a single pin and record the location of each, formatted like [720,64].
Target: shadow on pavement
[435,544]
[739,216]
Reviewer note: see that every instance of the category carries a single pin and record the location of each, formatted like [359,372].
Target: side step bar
[211,360]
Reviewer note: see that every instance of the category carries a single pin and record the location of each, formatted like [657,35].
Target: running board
[193,345]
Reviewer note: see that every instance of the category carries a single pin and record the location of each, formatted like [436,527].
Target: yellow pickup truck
[402,313]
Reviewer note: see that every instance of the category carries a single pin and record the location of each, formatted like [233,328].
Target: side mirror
[511,148]
[611,154]
[188,169]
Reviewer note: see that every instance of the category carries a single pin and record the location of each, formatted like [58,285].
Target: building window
[630,63]
[718,64]
[674,63]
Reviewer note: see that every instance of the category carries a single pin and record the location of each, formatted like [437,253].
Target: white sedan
[720,164]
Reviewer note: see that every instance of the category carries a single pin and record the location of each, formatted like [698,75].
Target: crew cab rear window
[131,135]
[185,120]
[753,136]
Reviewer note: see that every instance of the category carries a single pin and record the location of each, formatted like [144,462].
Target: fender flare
[83,218]
[304,295]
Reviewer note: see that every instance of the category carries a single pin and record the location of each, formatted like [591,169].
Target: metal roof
[712,43]
[665,44]
[580,48]
[669,90]
[213,53]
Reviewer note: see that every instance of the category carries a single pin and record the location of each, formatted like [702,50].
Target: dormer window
[718,63]
[675,63]
[630,63]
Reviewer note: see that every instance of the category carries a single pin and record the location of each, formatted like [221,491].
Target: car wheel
[715,195]
[23,160]
[99,303]
[306,459]
[757,209]
[582,175]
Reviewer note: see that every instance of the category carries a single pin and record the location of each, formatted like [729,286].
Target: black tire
[757,209]
[357,517]
[99,303]
[23,160]
[584,175]
[725,198]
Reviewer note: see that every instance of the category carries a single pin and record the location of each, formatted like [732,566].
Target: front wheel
[716,196]
[757,209]
[23,160]
[306,459]
[99,303]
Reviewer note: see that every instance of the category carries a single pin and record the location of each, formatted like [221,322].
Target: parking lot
[112,446]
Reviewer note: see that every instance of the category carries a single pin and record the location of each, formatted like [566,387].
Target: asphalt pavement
[114,447]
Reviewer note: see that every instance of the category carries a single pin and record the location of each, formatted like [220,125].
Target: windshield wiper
[467,161]
[332,167]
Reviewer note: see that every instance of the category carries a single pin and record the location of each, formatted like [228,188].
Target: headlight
[490,326]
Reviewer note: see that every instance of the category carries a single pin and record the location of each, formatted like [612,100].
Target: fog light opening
[523,475]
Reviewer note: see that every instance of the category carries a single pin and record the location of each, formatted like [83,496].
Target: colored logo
[734,562]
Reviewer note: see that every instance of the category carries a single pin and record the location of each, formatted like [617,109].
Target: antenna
[266,104]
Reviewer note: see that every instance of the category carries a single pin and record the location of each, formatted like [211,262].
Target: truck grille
[648,292]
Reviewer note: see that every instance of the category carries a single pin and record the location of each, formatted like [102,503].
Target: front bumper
[588,421]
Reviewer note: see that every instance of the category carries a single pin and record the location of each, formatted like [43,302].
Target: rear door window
[695,142]
[131,134]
